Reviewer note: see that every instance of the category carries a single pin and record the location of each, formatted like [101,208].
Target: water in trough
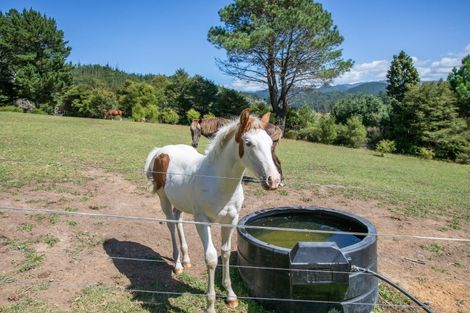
[288,239]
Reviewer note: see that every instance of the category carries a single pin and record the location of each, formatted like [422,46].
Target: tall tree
[279,43]
[401,76]
[428,118]
[459,80]
[33,56]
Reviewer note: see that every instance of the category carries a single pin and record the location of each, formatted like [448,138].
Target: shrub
[192,114]
[425,153]
[38,111]
[10,108]
[374,136]
[463,158]
[312,134]
[353,134]
[291,134]
[357,134]
[169,116]
[299,118]
[208,115]
[385,146]
[328,131]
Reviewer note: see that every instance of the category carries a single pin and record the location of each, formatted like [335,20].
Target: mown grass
[58,149]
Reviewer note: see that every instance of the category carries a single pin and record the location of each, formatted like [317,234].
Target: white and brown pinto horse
[209,187]
[210,126]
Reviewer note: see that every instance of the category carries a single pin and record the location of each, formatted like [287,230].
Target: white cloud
[427,69]
[243,85]
[371,71]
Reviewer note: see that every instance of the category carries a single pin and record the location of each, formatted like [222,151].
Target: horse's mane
[212,125]
[226,133]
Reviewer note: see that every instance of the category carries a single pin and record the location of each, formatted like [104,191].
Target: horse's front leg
[183,244]
[226,249]
[211,262]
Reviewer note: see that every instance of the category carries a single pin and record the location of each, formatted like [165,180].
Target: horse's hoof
[232,303]
[178,271]
[187,266]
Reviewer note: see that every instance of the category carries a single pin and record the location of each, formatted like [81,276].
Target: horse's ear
[244,124]
[265,119]
[244,117]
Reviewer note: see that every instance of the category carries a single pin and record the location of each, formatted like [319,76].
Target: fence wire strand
[164,220]
[115,258]
[218,295]
[254,180]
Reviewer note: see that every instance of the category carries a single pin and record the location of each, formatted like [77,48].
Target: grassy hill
[57,148]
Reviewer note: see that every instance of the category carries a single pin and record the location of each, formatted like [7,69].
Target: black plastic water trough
[318,269]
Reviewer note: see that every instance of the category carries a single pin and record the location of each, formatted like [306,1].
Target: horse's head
[254,149]
[195,132]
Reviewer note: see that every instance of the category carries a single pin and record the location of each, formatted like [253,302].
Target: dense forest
[403,114]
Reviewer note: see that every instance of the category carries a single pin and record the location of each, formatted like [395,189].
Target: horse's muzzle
[194,145]
[270,183]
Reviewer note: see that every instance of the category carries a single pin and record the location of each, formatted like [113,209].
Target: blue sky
[161,36]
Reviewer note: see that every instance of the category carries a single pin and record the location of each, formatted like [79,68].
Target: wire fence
[258,180]
[464,194]
[172,293]
[285,229]
[165,293]
[120,258]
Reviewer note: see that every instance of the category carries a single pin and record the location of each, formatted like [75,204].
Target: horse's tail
[149,167]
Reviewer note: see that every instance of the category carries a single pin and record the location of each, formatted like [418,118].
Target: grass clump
[50,240]
[31,261]
[434,248]
[25,227]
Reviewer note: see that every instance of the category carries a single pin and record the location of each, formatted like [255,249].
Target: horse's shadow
[153,274]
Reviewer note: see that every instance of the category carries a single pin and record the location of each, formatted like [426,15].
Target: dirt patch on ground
[72,253]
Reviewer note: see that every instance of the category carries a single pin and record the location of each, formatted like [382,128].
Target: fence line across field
[164,220]
[256,180]
[267,268]
[220,296]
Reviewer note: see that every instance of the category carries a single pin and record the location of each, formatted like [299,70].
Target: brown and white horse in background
[209,187]
[113,113]
[209,127]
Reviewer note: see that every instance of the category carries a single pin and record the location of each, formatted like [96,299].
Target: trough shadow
[147,275]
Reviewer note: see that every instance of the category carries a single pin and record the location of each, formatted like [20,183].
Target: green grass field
[46,149]
[57,149]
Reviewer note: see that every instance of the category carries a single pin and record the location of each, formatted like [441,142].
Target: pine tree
[33,56]
[401,76]
[280,44]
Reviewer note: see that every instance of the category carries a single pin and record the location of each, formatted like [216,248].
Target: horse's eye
[248,143]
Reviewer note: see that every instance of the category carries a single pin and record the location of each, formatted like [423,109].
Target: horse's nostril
[270,181]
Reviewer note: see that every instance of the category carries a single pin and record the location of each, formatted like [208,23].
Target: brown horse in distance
[209,127]
[112,113]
